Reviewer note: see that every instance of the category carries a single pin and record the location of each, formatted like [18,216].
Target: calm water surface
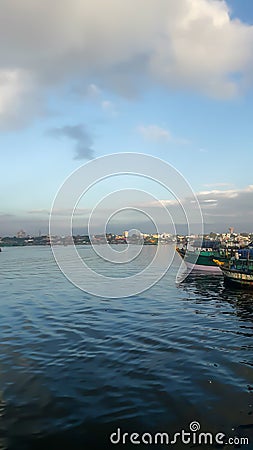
[74,368]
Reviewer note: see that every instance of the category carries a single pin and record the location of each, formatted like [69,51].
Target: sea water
[75,368]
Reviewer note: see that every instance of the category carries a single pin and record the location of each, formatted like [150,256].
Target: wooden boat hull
[237,278]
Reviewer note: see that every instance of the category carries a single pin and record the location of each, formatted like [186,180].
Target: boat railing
[244,265]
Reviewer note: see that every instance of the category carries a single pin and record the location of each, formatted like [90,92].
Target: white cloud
[189,44]
[202,49]
[220,206]
[93,90]
[157,133]
[154,132]
[39,211]
[109,107]
[230,193]
[9,89]
[60,212]
[235,203]
[218,185]
[17,90]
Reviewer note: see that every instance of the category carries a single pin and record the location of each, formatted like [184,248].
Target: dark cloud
[80,136]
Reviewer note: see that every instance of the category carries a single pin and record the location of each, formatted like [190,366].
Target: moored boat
[201,260]
[238,272]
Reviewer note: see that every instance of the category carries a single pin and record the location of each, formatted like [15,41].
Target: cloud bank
[221,209]
[189,44]
[226,206]
[230,204]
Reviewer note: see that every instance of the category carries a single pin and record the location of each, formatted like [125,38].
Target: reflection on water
[74,367]
[213,287]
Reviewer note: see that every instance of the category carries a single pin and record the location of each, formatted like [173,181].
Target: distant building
[21,234]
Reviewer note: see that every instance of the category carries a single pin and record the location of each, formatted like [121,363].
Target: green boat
[238,272]
[201,260]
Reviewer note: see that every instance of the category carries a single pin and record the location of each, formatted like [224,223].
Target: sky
[83,79]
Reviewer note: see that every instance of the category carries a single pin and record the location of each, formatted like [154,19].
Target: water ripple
[74,367]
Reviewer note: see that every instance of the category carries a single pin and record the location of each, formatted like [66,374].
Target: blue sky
[79,80]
